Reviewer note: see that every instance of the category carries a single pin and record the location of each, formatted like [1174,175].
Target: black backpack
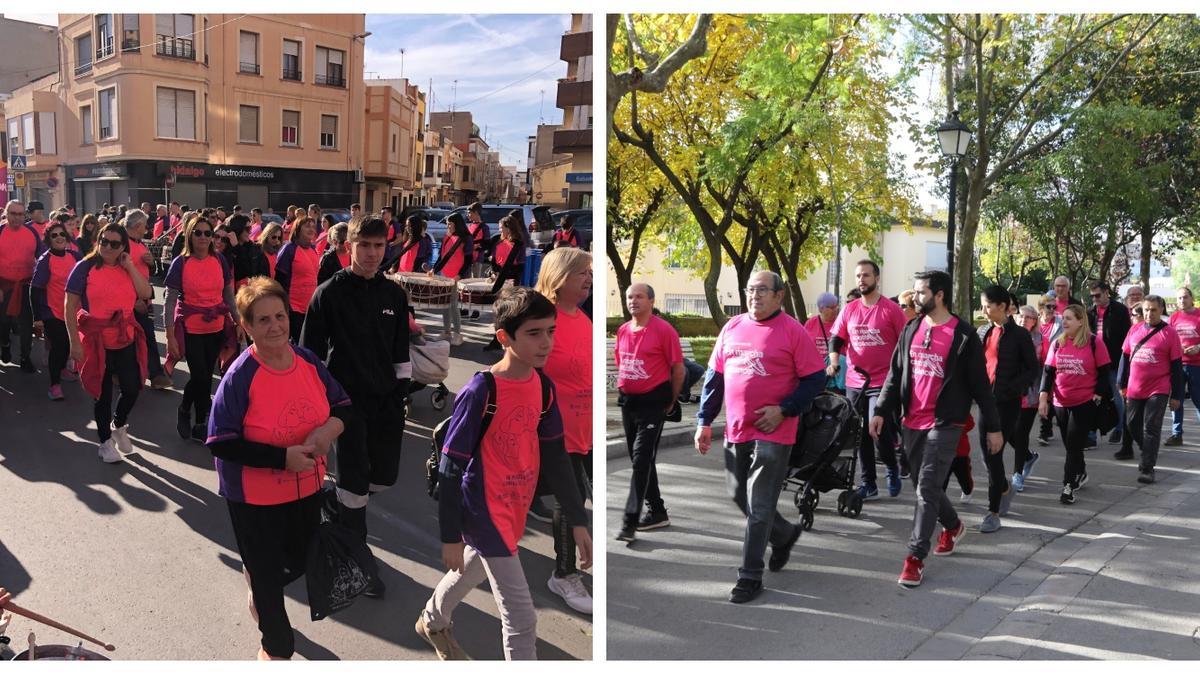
[433,462]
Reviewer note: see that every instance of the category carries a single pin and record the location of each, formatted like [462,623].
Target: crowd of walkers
[921,374]
[310,341]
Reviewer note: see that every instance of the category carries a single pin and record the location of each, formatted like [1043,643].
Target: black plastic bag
[340,568]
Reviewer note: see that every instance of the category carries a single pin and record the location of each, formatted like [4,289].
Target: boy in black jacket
[937,370]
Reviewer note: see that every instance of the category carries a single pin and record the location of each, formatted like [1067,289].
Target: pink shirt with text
[1150,368]
[820,332]
[1187,327]
[928,371]
[871,334]
[644,357]
[1075,371]
[762,362]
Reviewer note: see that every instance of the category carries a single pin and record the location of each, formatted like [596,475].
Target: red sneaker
[949,538]
[914,569]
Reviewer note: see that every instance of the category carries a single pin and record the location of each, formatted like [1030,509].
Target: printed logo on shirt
[388,312]
[1145,355]
[927,364]
[1069,364]
[297,412]
[632,369]
[1186,330]
[862,335]
[741,360]
[520,423]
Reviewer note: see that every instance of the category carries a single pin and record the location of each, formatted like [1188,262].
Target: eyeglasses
[58,235]
[112,243]
[16,213]
[1095,296]
[202,233]
[759,290]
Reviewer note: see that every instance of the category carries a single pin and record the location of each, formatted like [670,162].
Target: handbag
[1106,410]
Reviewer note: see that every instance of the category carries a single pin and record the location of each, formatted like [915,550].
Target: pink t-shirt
[200,282]
[1059,305]
[644,357]
[570,368]
[1100,312]
[871,334]
[820,332]
[928,372]
[51,273]
[1150,369]
[18,251]
[104,290]
[1076,370]
[1187,327]
[762,362]
[137,252]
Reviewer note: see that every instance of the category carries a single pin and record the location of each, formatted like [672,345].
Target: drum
[476,292]
[426,291]
[60,653]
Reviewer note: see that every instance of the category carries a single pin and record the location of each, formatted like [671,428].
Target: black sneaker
[1146,476]
[27,366]
[199,432]
[183,424]
[1081,481]
[745,590]
[1115,436]
[540,512]
[1175,439]
[375,589]
[6,355]
[781,554]
[1068,495]
[627,534]
[653,521]
[1123,454]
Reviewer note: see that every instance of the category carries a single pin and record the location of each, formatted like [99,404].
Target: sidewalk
[1105,578]
[674,433]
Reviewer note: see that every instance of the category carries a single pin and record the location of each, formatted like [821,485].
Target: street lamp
[954,137]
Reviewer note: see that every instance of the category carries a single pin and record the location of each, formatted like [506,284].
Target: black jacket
[330,264]
[965,380]
[1016,362]
[248,260]
[359,328]
[1116,326]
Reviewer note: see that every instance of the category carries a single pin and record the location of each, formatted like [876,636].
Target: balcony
[575,46]
[292,74]
[332,80]
[175,47]
[105,50]
[130,46]
[572,140]
[83,69]
[572,94]
[252,68]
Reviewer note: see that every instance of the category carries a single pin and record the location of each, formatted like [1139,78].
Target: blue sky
[485,53]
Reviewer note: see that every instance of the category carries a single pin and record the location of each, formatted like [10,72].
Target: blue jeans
[1191,375]
[755,472]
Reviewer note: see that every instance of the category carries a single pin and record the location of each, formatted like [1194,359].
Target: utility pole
[402,63]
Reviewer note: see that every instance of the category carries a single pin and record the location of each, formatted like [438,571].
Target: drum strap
[449,254]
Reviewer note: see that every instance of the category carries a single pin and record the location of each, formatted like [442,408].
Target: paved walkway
[1108,577]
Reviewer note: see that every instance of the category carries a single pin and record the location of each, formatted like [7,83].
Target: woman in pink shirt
[47,294]
[296,270]
[272,240]
[106,340]
[566,279]
[1075,382]
[199,321]
[1151,380]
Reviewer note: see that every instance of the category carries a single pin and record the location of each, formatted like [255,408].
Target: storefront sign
[579,177]
[187,171]
[99,171]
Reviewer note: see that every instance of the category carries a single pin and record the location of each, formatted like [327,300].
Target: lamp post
[954,137]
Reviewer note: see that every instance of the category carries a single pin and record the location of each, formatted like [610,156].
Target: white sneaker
[571,589]
[121,436]
[108,452]
[456,339]
[965,497]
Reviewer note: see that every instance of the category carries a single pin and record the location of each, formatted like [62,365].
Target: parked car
[339,215]
[273,218]
[492,213]
[583,224]
[435,223]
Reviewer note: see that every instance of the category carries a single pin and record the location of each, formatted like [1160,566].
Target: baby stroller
[828,429]
[430,364]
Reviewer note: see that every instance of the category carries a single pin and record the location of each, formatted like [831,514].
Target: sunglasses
[112,243]
[1095,296]
[58,235]
[202,233]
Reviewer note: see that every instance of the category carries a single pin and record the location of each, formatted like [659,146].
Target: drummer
[415,248]
[455,256]
[508,260]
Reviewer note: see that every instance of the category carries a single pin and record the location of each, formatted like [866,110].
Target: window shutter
[47,133]
[322,60]
[334,56]
[291,48]
[164,24]
[249,124]
[166,112]
[106,113]
[27,132]
[185,25]
[185,102]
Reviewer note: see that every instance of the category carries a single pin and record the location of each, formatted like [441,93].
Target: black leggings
[564,536]
[203,350]
[960,468]
[122,363]
[1020,439]
[59,348]
[997,476]
[1075,423]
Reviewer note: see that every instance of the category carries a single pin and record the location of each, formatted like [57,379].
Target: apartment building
[29,53]
[575,99]
[216,109]
[394,145]
[462,131]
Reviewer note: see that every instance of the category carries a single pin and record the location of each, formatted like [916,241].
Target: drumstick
[16,609]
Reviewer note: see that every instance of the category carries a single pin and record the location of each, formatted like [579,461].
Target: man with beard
[866,331]
[1186,322]
[935,373]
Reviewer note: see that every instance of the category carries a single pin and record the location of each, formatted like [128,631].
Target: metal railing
[291,74]
[331,80]
[83,69]
[176,47]
[244,67]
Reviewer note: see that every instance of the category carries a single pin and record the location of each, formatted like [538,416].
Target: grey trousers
[1145,416]
[518,618]
[754,473]
[930,452]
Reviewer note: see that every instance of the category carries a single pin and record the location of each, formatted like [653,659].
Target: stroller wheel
[854,506]
[797,498]
[437,398]
[813,499]
[806,518]
[843,502]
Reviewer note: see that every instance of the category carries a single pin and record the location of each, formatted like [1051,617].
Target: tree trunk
[1147,232]
[711,277]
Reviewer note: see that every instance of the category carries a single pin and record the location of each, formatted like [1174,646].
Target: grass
[702,347]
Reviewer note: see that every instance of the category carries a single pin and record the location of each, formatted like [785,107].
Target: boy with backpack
[503,440]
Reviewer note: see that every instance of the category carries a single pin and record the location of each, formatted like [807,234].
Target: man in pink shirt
[1062,295]
[20,247]
[766,371]
[1151,379]
[866,332]
[649,377]
[1186,323]
[936,372]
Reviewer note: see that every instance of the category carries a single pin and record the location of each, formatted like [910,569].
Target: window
[174,35]
[47,143]
[428,165]
[28,135]
[291,60]
[85,118]
[466,174]
[248,52]
[935,255]
[130,40]
[329,67]
[108,113]
[104,36]
[328,131]
[291,127]
[248,124]
[176,113]
[205,36]
[14,136]
[393,144]
[83,55]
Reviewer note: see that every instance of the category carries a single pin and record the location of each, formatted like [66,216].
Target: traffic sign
[538,196]
[51,182]
[19,179]
[17,162]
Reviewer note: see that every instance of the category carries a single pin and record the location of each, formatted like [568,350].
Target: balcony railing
[244,67]
[176,47]
[291,74]
[104,50]
[130,45]
[331,80]
[83,69]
